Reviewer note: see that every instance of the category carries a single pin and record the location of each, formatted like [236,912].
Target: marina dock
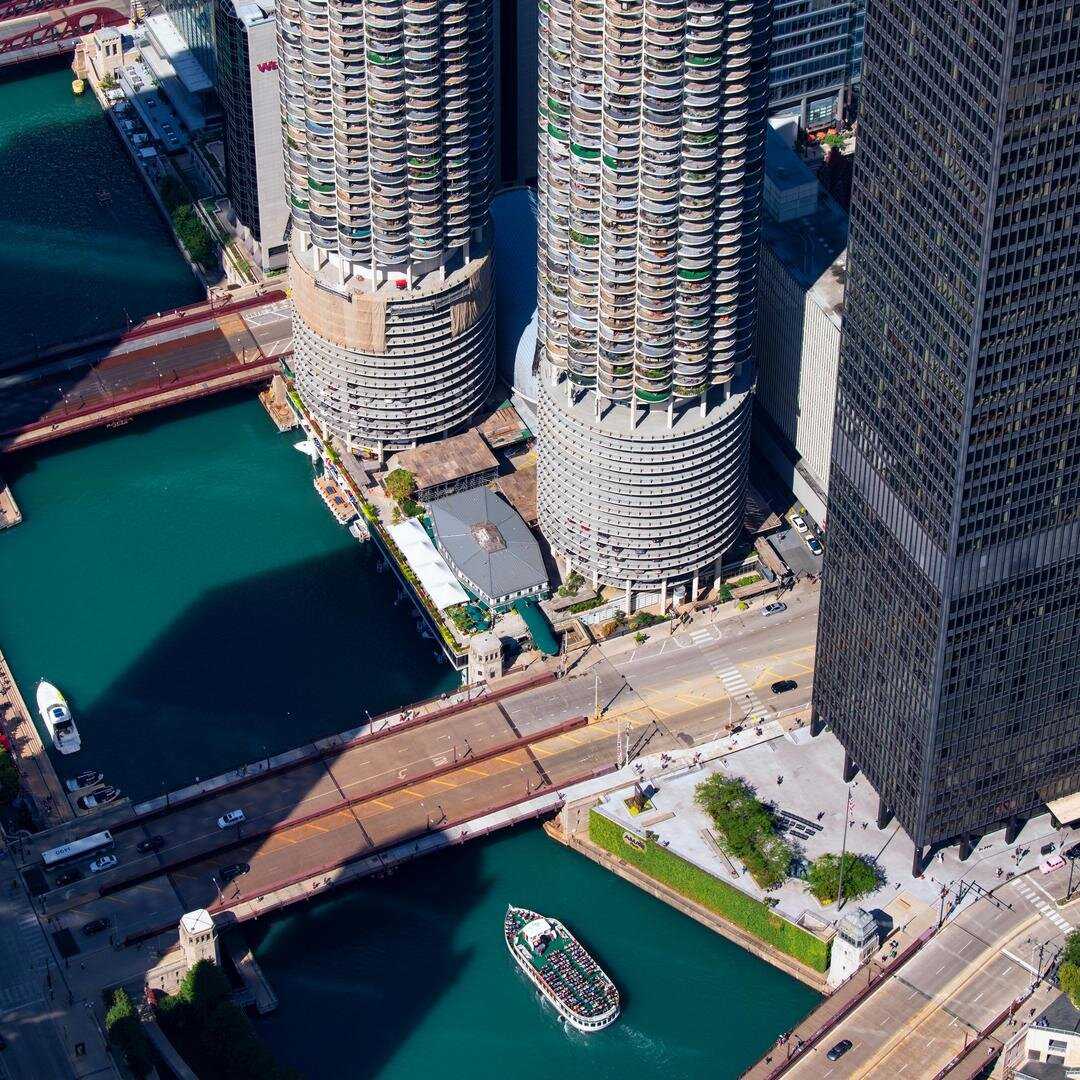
[338,503]
[39,777]
[10,514]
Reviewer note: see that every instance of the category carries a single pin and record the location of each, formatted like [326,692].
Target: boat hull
[586,1025]
[56,716]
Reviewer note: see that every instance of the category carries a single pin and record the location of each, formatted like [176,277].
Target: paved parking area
[790,546]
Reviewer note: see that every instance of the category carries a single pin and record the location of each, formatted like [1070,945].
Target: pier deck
[39,776]
[10,514]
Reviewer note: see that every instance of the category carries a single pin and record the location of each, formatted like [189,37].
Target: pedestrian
[779,780]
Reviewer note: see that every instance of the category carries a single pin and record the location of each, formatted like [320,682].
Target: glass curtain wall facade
[816,58]
[195,21]
[947,649]
[651,145]
[388,116]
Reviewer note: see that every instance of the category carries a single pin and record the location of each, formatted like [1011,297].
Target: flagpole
[843,850]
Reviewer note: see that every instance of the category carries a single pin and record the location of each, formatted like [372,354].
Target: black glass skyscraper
[949,641]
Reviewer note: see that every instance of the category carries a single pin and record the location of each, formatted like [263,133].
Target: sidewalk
[908,940]
[52,1028]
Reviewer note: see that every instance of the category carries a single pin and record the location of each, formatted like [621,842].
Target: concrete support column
[670,413]
[967,846]
[884,814]
[817,725]
[694,587]
[595,579]
[663,596]
[629,595]
[1012,830]
[850,768]
[917,862]
[633,411]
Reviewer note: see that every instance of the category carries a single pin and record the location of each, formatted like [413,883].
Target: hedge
[709,891]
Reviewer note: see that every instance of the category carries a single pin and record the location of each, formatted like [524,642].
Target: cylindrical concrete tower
[389,137]
[652,126]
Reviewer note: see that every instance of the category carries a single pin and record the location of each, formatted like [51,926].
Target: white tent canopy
[430,567]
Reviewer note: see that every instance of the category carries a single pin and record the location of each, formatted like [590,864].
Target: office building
[816,58]
[651,139]
[389,149]
[802,271]
[947,662]
[247,68]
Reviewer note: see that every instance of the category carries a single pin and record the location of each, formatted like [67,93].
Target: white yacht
[57,718]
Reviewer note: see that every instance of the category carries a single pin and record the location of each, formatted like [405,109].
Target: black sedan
[95,926]
[784,685]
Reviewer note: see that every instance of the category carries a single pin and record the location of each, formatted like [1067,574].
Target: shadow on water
[205,609]
[83,250]
[257,667]
[368,967]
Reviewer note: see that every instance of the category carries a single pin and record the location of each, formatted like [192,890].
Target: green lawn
[695,884]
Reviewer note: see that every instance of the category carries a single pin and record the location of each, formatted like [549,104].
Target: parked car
[95,926]
[1048,866]
[839,1050]
[68,877]
[233,871]
[800,524]
[151,844]
[233,817]
[106,862]
[784,685]
[1073,852]
[814,544]
[774,608]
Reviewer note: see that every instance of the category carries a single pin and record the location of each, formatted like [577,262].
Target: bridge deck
[34,410]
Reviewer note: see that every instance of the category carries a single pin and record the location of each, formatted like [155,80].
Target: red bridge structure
[52,35]
[186,354]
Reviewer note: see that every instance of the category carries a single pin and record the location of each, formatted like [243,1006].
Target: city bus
[99,841]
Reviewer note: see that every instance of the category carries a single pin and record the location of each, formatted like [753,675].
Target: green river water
[82,248]
[181,581]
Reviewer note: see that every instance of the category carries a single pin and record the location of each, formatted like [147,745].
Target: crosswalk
[24,957]
[740,691]
[1047,910]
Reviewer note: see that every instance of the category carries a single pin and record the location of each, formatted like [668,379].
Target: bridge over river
[444,771]
[184,354]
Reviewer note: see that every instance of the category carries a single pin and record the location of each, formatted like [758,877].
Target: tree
[126,1033]
[1069,971]
[400,484]
[746,827]
[861,877]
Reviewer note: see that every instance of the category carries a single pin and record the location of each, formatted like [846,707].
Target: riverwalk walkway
[39,777]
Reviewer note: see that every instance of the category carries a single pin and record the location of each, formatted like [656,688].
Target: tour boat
[560,968]
[78,86]
[56,715]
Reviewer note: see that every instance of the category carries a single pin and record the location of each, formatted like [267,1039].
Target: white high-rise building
[389,147]
[651,144]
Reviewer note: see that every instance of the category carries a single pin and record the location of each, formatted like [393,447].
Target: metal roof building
[488,546]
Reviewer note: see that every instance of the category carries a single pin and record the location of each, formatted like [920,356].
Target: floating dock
[338,503]
[10,514]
